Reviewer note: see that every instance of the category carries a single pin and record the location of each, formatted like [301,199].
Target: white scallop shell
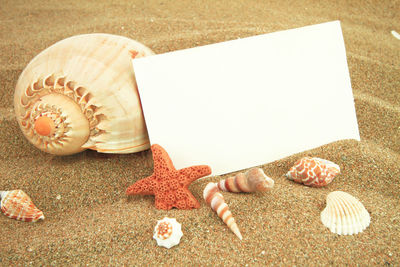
[344,214]
[86,85]
[167,232]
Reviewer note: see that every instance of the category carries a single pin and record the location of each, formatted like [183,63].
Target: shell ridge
[339,213]
[344,214]
[349,214]
[338,203]
[354,215]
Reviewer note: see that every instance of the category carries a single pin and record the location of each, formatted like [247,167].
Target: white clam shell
[167,232]
[344,214]
[87,86]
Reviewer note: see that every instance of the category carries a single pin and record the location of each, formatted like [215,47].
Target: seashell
[215,199]
[395,34]
[167,232]
[81,93]
[251,181]
[313,172]
[344,214]
[17,205]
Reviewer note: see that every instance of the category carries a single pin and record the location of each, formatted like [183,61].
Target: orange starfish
[168,185]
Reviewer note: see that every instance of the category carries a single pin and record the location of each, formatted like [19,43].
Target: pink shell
[313,172]
[17,205]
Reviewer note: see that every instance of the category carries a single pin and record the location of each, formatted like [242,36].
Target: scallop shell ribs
[17,205]
[251,181]
[344,214]
[81,93]
[313,172]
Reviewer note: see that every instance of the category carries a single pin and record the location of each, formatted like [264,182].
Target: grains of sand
[92,222]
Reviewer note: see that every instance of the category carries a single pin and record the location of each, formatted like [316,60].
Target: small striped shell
[344,214]
[215,199]
[167,232]
[81,93]
[313,172]
[17,205]
[252,180]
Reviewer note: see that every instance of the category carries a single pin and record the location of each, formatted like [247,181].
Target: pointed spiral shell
[215,199]
[81,93]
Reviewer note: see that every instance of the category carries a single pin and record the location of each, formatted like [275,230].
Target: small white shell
[167,232]
[395,34]
[344,214]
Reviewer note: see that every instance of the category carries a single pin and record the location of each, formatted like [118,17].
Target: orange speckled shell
[313,172]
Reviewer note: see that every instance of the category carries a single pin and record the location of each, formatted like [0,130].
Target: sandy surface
[89,220]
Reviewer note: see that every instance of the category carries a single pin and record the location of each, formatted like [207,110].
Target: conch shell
[215,199]
[251,181]
[17,205]
[314,172]
[81,93]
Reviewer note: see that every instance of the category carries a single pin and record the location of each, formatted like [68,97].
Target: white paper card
[243,103]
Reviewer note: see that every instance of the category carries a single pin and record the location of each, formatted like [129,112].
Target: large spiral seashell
[215,199]
[16,204]
[81,93]
[344,214]
[252,180]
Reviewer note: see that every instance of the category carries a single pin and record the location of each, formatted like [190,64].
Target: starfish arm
[185,200]
[161,203]
[168,185]
[191,201]
[194,172]
[162,162]
[142,187]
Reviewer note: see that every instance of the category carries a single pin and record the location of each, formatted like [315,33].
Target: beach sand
[90,221]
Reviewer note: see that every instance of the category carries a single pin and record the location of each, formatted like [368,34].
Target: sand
[90,221]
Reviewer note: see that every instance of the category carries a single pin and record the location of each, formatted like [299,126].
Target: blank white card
[243,103]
